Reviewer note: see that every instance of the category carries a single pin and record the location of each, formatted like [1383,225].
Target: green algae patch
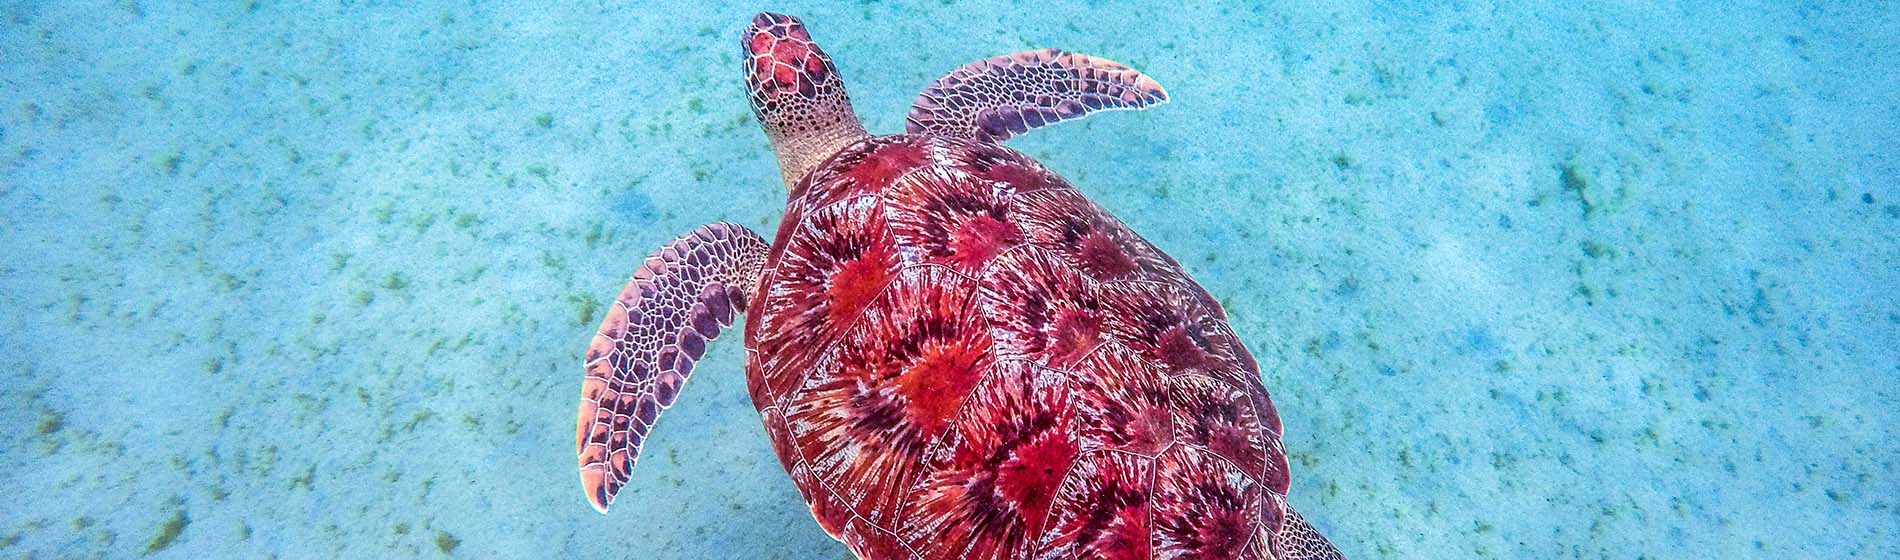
[167,532]
[395,281]
[446,542]
[1573,181]
[1595,250]
[168,164]
[540,171]
[48,423]
[584,309]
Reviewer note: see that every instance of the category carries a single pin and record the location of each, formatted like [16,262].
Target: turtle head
[796,94]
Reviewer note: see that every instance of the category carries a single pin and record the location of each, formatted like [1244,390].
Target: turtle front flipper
[997,98]
[678,300]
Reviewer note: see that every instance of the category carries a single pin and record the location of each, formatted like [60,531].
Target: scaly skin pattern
[680,299]
[999,97]
[958,355]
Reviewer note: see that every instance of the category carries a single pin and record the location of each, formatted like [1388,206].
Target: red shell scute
[1204,507]
[936,212]
[988,492]
[1040,310]
[871,407]
[825,278]
[958,355]
[1219,418]
[1102,510]
[1125,403]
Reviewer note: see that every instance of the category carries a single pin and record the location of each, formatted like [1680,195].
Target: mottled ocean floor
[1533,280]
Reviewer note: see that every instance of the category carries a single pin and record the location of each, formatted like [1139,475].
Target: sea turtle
[955,353]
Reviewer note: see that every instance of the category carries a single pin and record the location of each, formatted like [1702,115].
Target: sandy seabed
[1544,280]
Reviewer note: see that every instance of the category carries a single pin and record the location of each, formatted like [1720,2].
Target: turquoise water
[1551,280]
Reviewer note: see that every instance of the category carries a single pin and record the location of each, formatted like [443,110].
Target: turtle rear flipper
[996,98]
[678,300]
[1298,540]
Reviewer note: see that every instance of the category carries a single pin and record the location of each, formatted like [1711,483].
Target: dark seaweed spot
[1573,181]
[49,422]
[1594,250]
[584,309]
[167,532]
[1866,198]
[446,542]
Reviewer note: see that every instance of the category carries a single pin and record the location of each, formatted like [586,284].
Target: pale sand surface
[313,280]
